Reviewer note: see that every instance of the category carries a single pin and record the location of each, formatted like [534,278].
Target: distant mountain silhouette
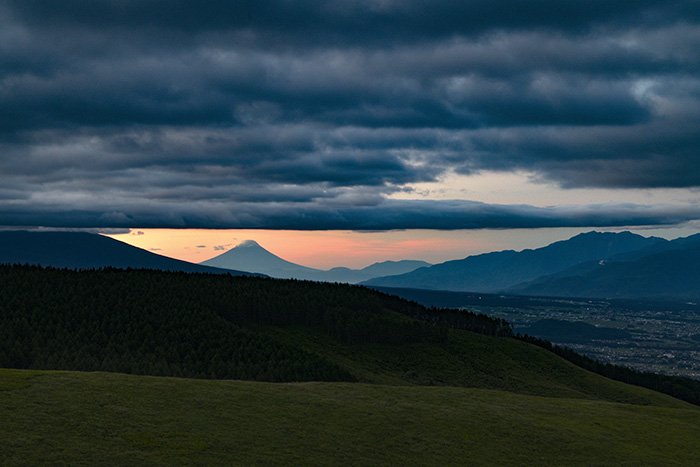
[250,256]
[80,250]
[666,270]
[493,272]
[384,268]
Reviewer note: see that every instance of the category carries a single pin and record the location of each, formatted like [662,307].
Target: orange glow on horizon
[320,249]
[327,249]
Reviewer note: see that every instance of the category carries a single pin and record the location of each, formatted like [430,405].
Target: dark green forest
[192,325]
[208,326]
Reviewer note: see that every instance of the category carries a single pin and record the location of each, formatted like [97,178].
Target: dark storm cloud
[94,230]
[302,114]
[350,20]
[381,215]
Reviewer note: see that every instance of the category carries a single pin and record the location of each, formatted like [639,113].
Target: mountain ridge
[82,250]
[663,271]
[249,255]
[497,271]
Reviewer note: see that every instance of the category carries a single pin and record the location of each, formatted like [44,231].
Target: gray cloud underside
[230,114]
[387,215]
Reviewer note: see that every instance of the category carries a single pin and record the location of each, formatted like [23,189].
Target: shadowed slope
[80,250]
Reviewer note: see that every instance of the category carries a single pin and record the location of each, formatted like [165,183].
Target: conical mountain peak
[253,257]
[249,255]
[248,244]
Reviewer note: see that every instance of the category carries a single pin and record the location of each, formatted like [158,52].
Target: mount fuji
[250,256]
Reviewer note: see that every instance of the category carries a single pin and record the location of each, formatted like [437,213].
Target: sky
[332,248]
[405,119]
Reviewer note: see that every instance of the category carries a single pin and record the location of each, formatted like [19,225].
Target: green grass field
[72,418]
[468,360]
[413,393]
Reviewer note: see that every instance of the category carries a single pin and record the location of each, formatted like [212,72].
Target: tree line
[190,325]
[206,326]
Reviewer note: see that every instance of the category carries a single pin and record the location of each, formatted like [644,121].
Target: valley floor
[52,417]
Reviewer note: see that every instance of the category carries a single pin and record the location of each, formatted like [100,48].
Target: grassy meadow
[71,418]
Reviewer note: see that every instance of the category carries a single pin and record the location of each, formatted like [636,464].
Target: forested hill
[199,325]
[225,327]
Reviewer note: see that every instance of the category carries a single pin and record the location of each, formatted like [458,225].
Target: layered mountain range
[669,269]
[593,264]
[250,256]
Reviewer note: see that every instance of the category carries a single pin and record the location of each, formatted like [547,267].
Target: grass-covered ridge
[210,326]
[396,383]
[101,418]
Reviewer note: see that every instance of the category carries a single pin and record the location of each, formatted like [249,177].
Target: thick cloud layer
[386,215]
[304,114]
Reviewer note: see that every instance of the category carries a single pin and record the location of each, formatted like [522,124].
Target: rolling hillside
[223,327]
[65,418]
[387,381]
[493,272]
